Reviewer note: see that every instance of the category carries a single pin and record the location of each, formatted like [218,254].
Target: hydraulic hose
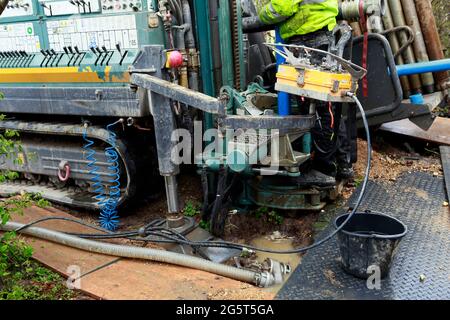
[260,279]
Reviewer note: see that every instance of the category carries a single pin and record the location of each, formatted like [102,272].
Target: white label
[86,33]
[54,8]
[19,37]
[18,8]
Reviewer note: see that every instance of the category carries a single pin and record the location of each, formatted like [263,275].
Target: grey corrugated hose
[259,279]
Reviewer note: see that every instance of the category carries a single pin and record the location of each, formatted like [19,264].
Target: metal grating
[416,199]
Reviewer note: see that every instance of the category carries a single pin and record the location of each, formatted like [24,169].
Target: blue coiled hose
[108,201]
[97,184]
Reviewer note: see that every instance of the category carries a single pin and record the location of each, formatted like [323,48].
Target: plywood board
[438,133]
[138,280]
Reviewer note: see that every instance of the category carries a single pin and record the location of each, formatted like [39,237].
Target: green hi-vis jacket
[299,17]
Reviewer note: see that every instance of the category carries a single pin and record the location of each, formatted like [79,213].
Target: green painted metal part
[237,99]
[226,43]
[269,192]
[243,80]
[201,8]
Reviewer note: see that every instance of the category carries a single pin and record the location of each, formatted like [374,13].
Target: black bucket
[369,241]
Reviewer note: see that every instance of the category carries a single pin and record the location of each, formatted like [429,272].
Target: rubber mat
[420,269]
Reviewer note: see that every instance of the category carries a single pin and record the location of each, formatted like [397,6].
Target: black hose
[64,219]
[205,188]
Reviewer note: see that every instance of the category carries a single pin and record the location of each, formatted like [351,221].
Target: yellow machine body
[314,83]
[62,75]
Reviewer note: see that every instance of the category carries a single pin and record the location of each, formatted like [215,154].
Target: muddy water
[283,244]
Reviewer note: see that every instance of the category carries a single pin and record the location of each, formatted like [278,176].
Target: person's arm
[278,10]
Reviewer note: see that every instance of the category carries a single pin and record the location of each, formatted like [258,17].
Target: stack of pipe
[431,38]
[409,56]
[425,47]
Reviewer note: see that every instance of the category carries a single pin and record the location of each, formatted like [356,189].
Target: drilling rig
[95,89]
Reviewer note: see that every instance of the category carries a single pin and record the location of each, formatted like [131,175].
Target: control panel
[112,6]
[81,42]
[65,7]
[87,33]
[19,37]
[18,8]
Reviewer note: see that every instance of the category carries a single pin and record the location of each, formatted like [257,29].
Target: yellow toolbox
[315,83]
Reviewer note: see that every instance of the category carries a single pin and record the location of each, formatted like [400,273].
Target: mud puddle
[293,260]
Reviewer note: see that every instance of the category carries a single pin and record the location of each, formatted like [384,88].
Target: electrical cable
[80,222]
[330,110]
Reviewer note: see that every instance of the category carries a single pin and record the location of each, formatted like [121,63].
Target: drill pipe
[392,37]
[395,7]
[431,37]
[420,50]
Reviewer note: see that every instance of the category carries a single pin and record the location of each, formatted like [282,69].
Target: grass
[270,215]
[31,281]
[191,209]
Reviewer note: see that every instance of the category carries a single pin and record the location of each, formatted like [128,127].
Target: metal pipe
[399,20]
[420,50]
[431,37]
[226,45]
[284,108]
[215,43]
[388,23]
[261,279]
[374,9]
[193,65]
[3,4]
[348,10]
[201,11]
[424,67]
[173,202]
[181,45]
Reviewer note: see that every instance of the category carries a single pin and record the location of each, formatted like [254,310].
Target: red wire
[330,109]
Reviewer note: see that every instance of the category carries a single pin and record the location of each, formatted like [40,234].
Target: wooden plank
[438,133]
[55,256]
[114,278]
[139,280]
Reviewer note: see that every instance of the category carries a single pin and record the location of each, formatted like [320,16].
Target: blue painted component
[109,218]
[417,99]
[108,203]
[423,67]
[284,108]
[93,168]
[307,143]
